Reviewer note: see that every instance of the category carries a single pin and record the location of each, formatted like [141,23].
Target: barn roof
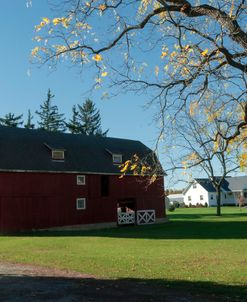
[30,150]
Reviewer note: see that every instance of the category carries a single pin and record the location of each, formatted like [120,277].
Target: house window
[245,194]
[104,182]
[81,180]
[81,203]
[189,198]
[194,186]
[201,197]
[117,158]
[58,154]
[212,197]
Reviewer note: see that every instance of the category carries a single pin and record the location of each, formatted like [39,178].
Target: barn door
[126,212]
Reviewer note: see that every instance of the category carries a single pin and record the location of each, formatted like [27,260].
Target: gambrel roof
[30,150]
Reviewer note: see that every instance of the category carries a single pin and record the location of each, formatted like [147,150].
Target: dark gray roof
[23,149]
[206,184]
[237,183]
[229,184]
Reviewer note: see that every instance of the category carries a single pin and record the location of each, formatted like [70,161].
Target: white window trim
[119,156]
[78,181]
[77,203]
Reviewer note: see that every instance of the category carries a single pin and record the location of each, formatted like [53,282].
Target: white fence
[141,217]
[145,217]
[126,218]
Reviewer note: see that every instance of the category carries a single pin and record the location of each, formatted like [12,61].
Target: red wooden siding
[41,200]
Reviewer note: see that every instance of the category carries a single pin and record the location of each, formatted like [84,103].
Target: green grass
[194,246]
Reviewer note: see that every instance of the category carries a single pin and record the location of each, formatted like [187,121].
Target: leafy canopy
[181,54]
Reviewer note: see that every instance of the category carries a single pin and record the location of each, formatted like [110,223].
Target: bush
[171,207]
[182,205]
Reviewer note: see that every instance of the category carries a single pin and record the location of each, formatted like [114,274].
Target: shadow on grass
[191,216]
[32,288]
[170,230]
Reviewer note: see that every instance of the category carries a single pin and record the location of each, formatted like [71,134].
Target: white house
[201,191]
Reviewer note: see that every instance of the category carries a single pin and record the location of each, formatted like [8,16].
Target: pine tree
[29,124]
[73,125]
[90,120]
[50,119]
[10,120]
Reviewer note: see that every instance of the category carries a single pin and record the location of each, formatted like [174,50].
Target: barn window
[189,198]
[194,186]
[104,185]
[58,154]
[81,203]
[81,180]
[201,197]
[117,158]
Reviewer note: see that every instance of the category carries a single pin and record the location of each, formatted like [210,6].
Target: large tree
[11,120]
[177,53]
[197,150]
[73,125]
[49,117]
[176,50]
[86,120]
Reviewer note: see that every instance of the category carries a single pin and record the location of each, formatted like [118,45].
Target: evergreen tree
[50,119]
[73,125]
[29,124]
[86,120]
[10,120]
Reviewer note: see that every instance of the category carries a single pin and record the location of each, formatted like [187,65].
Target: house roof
[237,183]
[30,150]
[229,184]
[208,186]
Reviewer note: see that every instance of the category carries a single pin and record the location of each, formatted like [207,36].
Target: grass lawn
[195,247]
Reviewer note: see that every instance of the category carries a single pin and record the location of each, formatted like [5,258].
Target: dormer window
[117,158]
[58,154]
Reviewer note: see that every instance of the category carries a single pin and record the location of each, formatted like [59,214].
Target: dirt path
[27,283]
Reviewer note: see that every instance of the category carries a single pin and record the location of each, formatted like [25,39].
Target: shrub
[171,207]
[176,204]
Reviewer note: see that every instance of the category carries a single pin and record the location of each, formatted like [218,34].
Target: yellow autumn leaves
[138,168]
[97,57]
[65,22]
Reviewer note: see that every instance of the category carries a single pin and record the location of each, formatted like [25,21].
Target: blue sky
[24,85]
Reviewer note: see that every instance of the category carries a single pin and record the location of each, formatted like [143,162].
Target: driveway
[27,283]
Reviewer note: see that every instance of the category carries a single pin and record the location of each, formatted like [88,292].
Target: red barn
[52,180]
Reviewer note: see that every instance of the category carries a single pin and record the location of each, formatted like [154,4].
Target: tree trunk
[218,198]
